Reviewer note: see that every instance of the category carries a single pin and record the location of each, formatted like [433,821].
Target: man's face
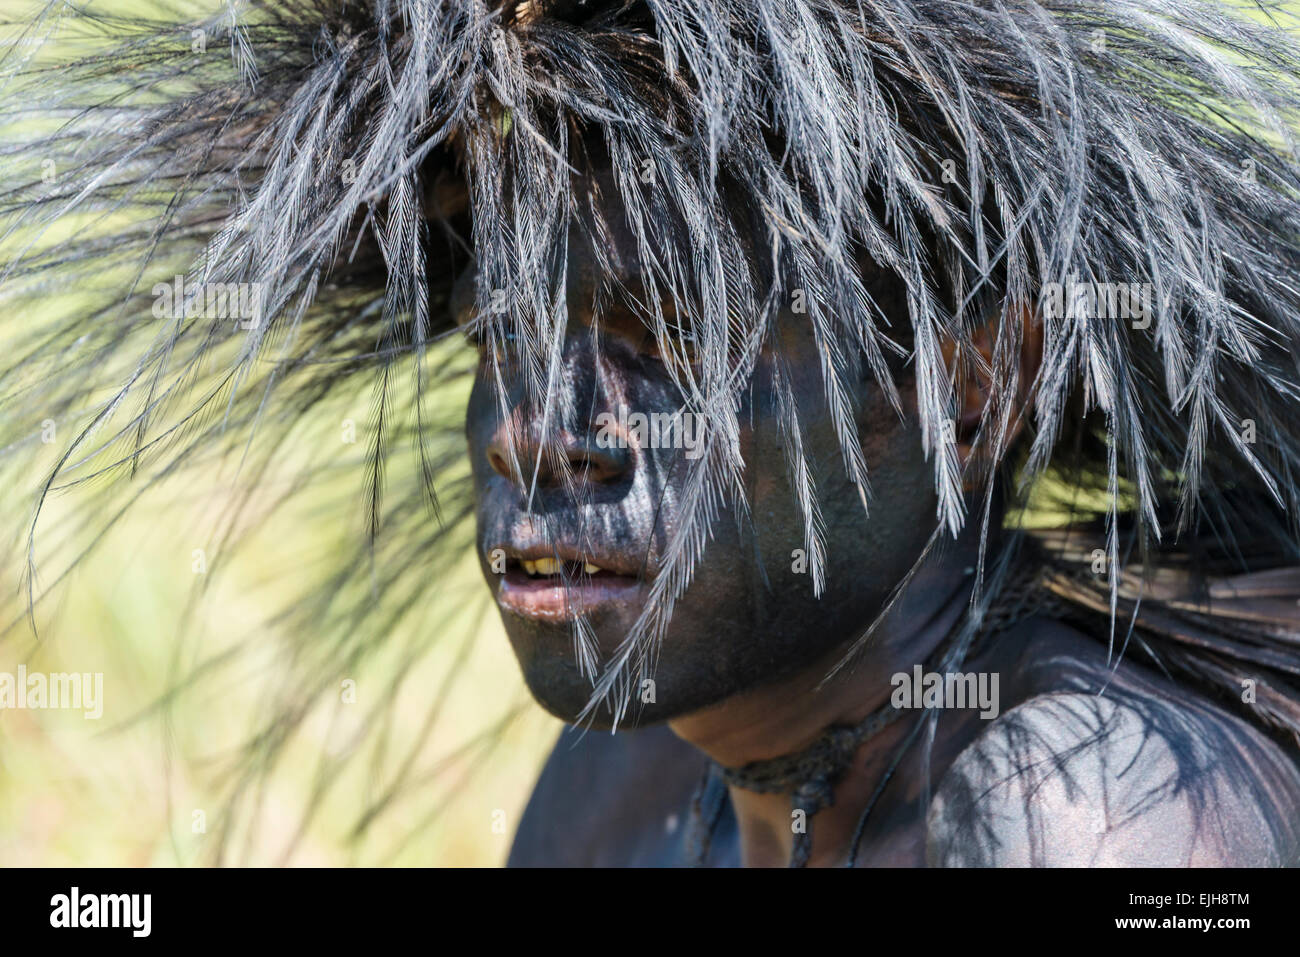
[749,615]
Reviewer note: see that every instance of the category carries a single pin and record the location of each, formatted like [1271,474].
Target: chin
[545,656]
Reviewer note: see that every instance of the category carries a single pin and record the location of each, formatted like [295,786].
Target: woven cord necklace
[809,776]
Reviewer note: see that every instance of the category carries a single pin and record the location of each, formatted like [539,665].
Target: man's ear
[976,368]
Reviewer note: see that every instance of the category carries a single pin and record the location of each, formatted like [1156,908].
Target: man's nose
[588,460]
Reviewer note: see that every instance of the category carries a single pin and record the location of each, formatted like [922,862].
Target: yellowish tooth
[529,566]
[589,568]
[547,566]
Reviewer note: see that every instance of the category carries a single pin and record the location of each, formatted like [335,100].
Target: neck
[788,715]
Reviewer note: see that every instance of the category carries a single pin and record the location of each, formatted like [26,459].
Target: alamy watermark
[72,691]
[929,689]
[655,430]
[132,912]
[244,301]
[1098,300]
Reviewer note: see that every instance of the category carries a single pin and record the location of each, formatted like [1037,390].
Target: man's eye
[683,347]
[501,348]
[686,349]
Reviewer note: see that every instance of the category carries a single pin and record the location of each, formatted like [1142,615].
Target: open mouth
[557,589]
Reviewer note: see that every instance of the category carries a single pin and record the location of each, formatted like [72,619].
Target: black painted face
[750,615]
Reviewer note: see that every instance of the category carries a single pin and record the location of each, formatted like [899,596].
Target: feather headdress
[349,160]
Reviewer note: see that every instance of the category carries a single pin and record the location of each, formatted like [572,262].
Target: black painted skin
[1147,774]
[1144,776]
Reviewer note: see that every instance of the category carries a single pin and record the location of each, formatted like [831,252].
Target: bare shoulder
[1140,775]
[609,800]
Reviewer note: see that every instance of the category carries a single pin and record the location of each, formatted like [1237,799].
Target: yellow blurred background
[148,782]
[425,754]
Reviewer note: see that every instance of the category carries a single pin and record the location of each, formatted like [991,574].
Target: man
[782,310]
[1084,760]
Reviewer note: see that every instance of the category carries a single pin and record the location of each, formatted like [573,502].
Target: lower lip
[547,599]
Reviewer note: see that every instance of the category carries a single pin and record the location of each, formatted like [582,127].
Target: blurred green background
[424,756]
